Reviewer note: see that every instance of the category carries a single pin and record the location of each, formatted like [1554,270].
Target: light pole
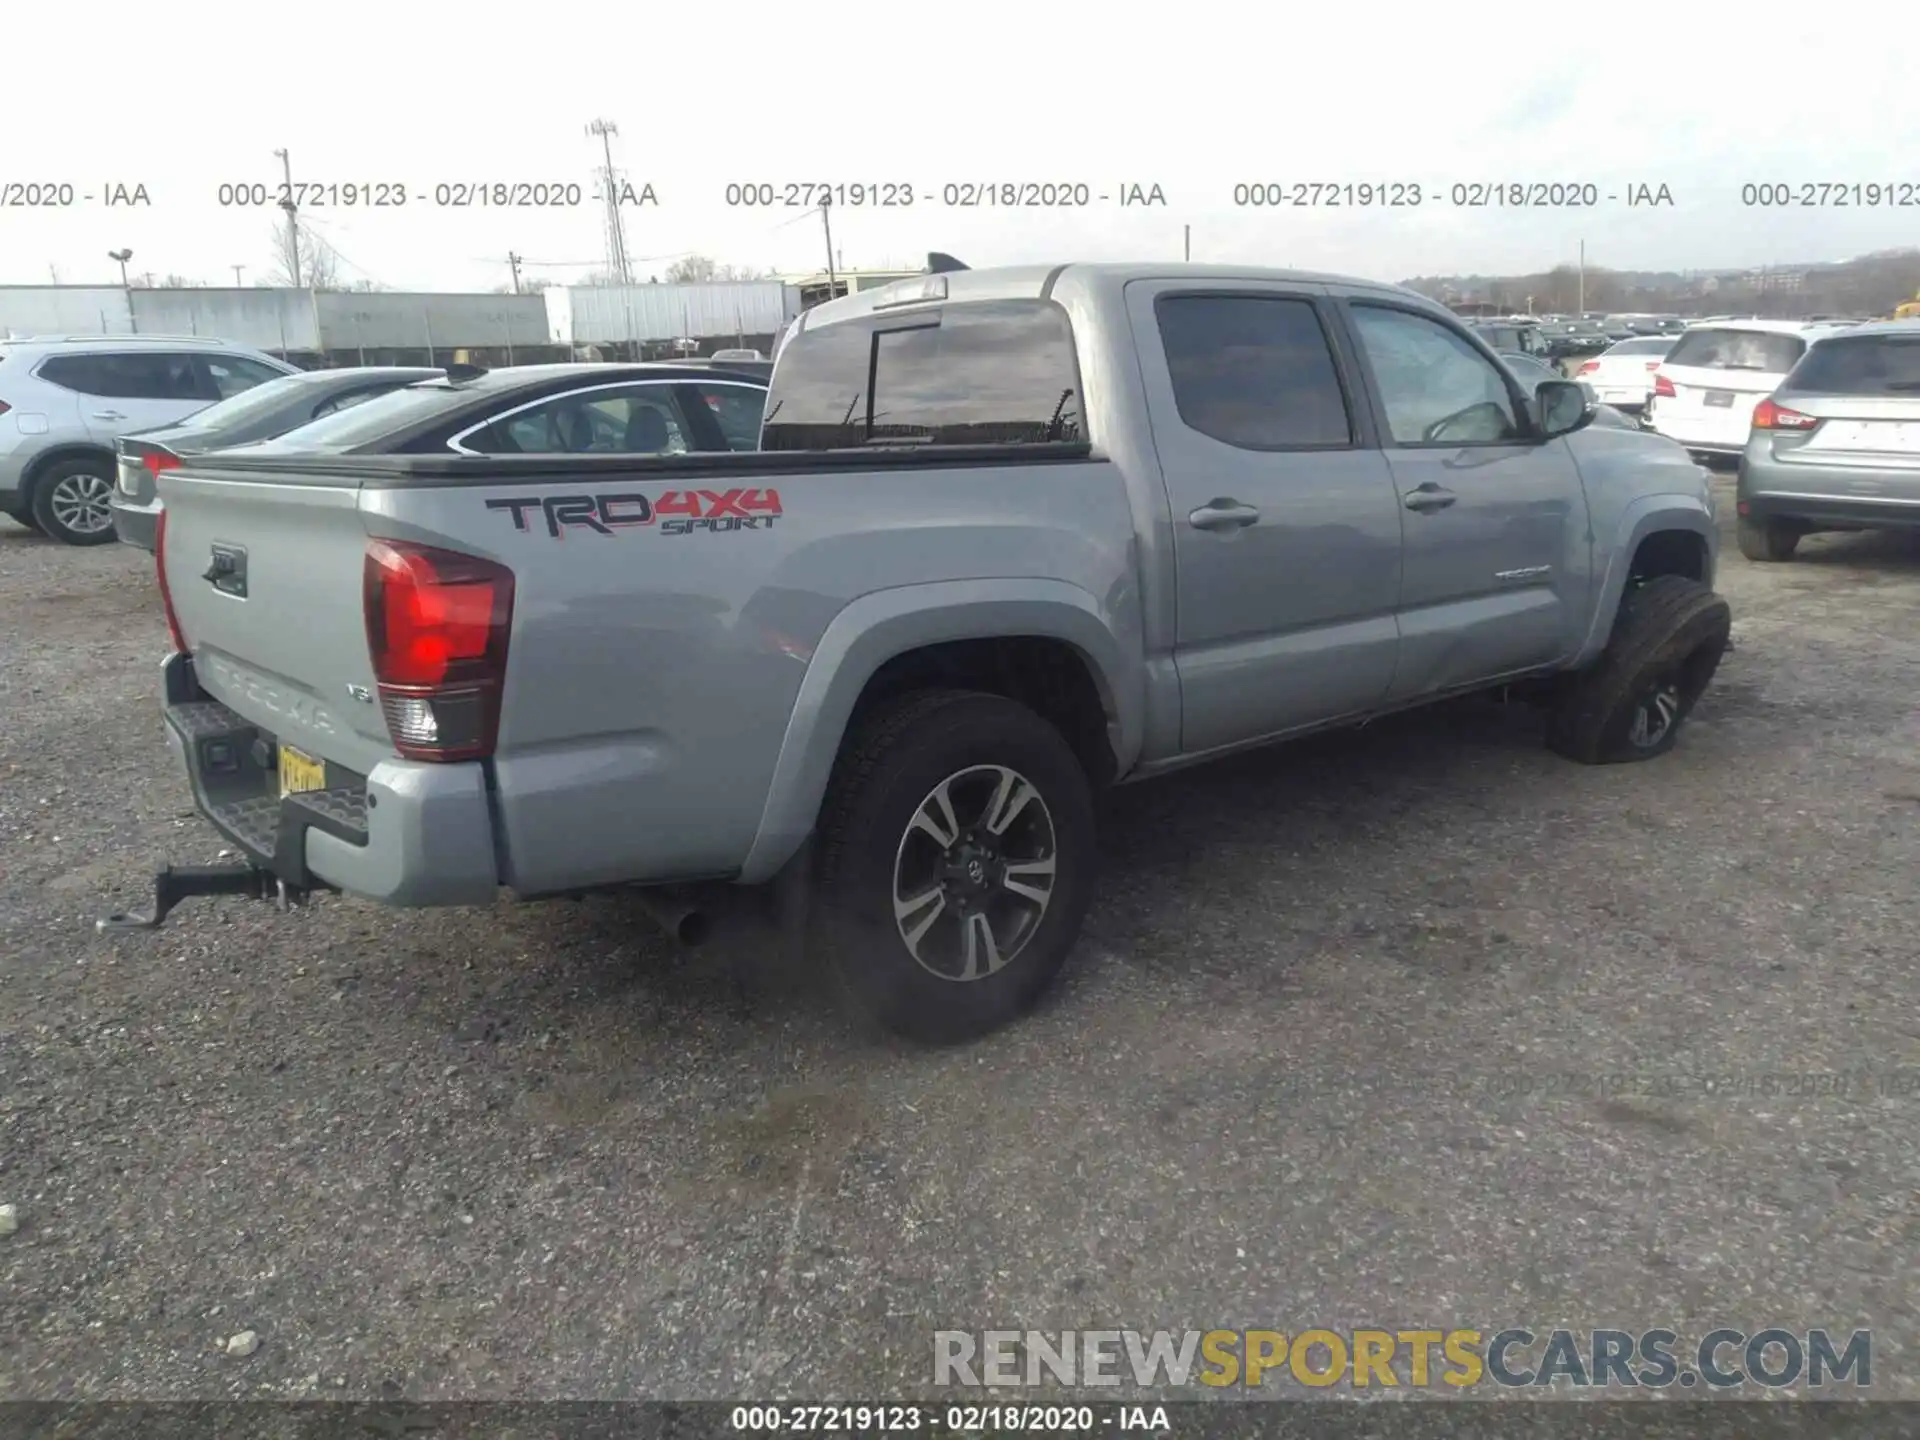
[126,286]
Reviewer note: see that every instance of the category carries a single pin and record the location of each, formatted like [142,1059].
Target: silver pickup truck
[1010,536]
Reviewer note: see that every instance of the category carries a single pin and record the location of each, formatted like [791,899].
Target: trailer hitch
[183,882]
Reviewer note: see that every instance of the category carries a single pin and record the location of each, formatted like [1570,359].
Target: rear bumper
[134,523]
[1842,493]
[406,834]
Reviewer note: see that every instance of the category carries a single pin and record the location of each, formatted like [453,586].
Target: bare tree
[703,269]
[319,267]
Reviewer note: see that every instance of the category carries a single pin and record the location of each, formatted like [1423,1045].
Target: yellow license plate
[300,772]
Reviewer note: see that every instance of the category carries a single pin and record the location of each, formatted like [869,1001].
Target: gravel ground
[1332,1053]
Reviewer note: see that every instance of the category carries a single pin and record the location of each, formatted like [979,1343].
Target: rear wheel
[1667,642]
[72,501]
[1769,539]
[956,863]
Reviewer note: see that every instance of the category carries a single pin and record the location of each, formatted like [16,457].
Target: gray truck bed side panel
[651,675]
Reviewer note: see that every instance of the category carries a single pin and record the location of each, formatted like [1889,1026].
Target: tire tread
[1649,618]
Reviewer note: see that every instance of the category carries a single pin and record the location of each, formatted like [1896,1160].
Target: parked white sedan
[1622,375]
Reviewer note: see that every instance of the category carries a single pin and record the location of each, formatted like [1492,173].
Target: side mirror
[1564,407]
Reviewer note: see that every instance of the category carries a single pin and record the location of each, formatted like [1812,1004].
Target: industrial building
[655,321]
[385,327]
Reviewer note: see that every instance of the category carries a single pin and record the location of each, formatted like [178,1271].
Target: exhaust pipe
[674,910]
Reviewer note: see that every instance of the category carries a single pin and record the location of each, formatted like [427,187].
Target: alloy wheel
[974,872]
[80,503]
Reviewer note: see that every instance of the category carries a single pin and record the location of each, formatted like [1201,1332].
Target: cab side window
[1437,389]
[1254,371]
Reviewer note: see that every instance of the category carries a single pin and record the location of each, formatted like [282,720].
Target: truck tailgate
[266,577]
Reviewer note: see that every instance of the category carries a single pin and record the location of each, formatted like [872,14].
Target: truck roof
[1027,282]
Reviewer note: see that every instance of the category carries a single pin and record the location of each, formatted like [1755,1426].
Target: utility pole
[1581,308]
[618,268]
[833,280]
[236,275]
[513,264]
[293,220]
[1189,241]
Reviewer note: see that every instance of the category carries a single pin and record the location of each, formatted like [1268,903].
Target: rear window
[999,373]
[1861,365]
[1641,347]
[381,416]
[1767,351]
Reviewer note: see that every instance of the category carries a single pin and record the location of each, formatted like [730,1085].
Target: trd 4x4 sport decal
[677,512]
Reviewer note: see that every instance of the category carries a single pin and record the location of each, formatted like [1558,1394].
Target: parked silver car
[65,401]
[258,414]
[1837,445]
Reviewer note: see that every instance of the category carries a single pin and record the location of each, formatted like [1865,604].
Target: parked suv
[1837,446]
[64,402]
[1707,386]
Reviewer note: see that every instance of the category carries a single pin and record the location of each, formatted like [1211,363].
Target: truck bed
[665,613]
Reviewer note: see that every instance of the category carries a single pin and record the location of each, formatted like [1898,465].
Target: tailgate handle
[227,571]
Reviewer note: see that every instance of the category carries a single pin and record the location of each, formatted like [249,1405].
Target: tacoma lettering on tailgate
[676,512]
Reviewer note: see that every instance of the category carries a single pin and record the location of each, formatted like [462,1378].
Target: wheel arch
[989,634]
[67,450]
[1656,535]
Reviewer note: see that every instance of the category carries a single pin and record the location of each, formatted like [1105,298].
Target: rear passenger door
[1495,571]
[1286,521]
[122,392]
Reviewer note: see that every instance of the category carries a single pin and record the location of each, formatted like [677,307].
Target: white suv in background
[1706,388]
[65,401]
[1622,374]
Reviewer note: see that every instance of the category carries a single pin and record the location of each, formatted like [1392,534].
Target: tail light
[1653,365]
[1662,386]
[437,627]
[174,632]
[1587,369]
[4,407]
[158,460]
[1769,416]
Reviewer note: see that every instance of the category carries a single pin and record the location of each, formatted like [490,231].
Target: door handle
[108,415]
[1428,497]
[1223,514]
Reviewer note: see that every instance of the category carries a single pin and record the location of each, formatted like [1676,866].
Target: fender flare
[886,623]
[1645,516]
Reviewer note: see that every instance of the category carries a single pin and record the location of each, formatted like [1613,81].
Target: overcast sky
[1194,98]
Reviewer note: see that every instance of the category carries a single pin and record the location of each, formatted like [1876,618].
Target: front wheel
[72,502]
[956,863]
[1667,642]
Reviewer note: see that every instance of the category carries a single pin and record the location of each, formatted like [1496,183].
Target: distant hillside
[1866,285]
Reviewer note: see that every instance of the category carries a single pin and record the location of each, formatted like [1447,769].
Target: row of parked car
[87,423]
[1822,417]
